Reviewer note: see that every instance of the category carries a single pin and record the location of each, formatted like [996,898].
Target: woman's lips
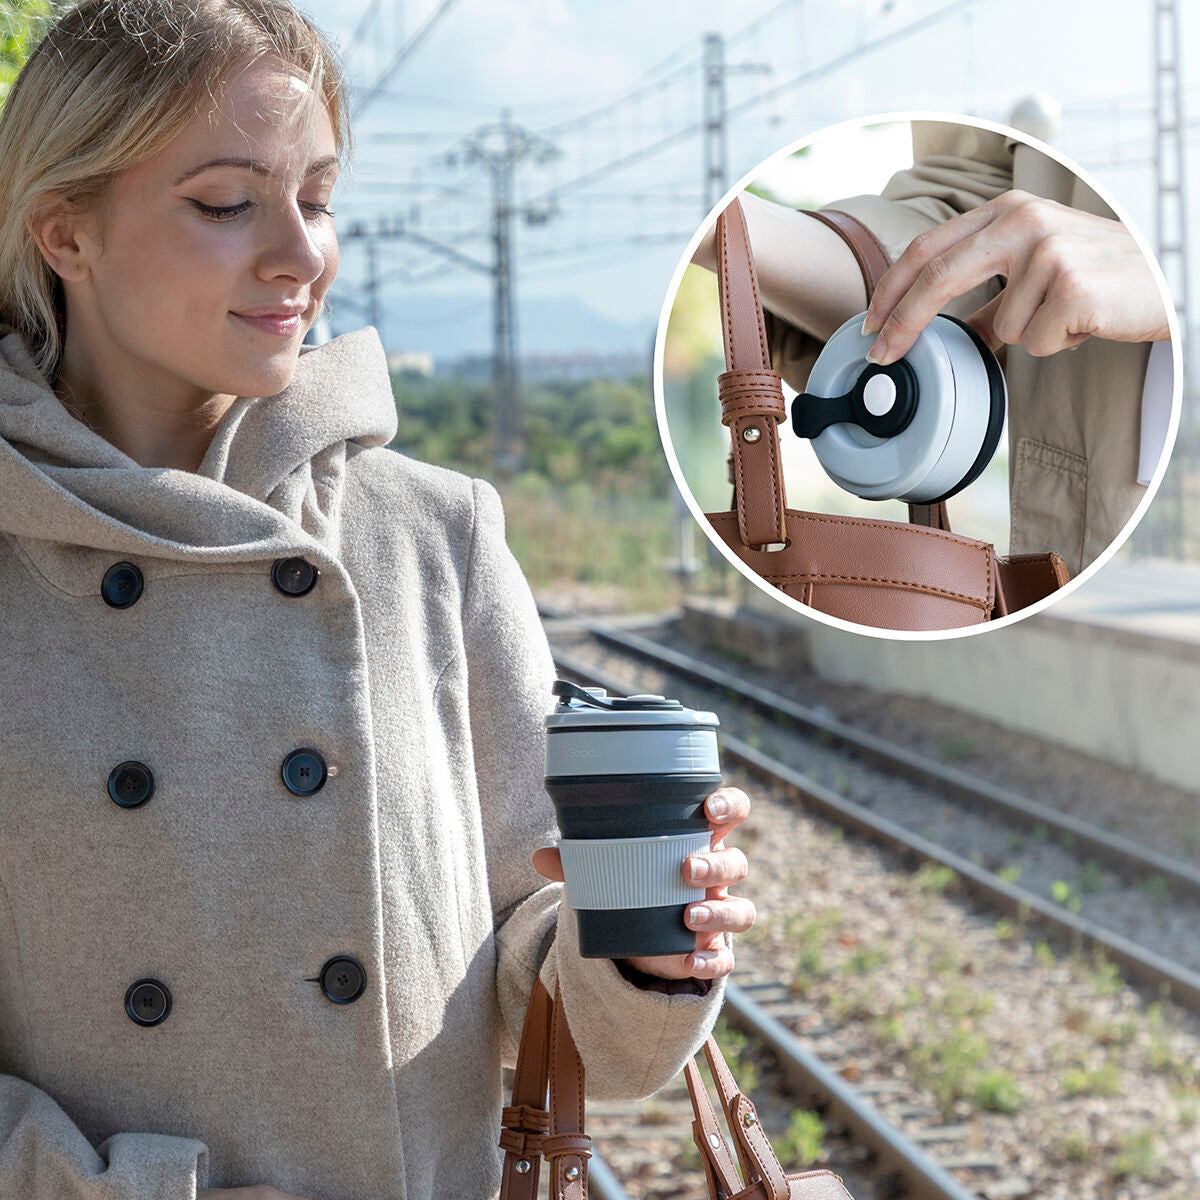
[280,326]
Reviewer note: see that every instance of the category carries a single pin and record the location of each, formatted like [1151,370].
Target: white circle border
[920,635]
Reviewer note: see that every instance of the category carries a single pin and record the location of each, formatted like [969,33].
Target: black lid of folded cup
[582,708]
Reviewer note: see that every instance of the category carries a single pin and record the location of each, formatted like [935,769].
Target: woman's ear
[67,237]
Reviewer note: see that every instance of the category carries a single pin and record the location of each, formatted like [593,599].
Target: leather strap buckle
[522,1142]
[567,1143]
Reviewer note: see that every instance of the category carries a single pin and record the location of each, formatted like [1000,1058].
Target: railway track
[767,1010]
[1139,963]
[899,1167]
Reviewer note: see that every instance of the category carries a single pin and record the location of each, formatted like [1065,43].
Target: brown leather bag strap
[873,260]
[547,1056]
[751,392]
[760,1163]
[525,1122]
[719,1167]
[567,1148]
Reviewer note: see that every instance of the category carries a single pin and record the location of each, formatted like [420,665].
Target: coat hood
[270,483]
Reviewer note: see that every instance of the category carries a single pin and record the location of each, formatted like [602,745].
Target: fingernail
[699,914]
[701,958]
[718,806]
[869,324]
[878,351]
[699,869]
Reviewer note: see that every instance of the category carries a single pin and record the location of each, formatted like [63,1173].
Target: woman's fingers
[727,807]
[942,277]
[712,961]
[716,868]
[734,914]
[903,273]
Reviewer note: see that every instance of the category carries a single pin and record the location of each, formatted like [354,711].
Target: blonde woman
[274,876]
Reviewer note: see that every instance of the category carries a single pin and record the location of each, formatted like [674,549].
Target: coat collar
[270,483]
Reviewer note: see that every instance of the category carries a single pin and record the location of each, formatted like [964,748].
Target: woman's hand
[1069,275]
[260,1192]
[726,808]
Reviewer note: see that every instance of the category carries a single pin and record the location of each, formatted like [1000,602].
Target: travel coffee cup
[629,777]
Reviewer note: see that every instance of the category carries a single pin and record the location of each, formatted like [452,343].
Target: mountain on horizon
[451,327]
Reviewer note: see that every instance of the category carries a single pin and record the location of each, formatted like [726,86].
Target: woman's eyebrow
[250,165]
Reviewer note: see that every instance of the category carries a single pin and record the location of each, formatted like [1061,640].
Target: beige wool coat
[1074,418]
[417,669]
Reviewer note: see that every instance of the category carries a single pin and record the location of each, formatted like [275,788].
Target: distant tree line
[602,434]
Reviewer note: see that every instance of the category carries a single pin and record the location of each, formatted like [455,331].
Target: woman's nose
[296,245]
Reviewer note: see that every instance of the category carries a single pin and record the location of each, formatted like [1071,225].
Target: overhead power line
[808,76]
[405,52]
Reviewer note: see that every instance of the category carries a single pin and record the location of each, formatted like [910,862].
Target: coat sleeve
[45,1156]
[955,168]
[634,1034]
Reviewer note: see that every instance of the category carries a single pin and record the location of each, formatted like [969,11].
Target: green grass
[810,936]
[935,878]
[1104,1080]
[803,1143]
[950,1066]
[1139,1156]
[997,1091]
[1066,895]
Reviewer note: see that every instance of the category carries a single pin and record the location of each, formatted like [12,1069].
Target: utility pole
[716,149]
[374,309]
[714,185]
[1171,238]
[499,148]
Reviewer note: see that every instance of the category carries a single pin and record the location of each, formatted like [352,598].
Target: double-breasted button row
[343,980]
[304,771]
[123,582]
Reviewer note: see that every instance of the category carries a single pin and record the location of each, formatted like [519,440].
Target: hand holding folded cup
[642,853]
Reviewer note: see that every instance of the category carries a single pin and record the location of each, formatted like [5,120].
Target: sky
[611,238]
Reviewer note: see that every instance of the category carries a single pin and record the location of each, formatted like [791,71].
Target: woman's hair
[111,85]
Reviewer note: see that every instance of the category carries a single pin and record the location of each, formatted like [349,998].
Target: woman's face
[182,247]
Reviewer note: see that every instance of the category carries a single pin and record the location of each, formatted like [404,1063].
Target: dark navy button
[343,979]
[294,576]
[130,784]
[122,585]
[147,1002]
[304,771]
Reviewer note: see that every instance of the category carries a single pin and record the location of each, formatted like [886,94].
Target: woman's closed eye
[229,214]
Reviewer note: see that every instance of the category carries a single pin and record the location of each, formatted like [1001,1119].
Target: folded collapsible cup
[629,777]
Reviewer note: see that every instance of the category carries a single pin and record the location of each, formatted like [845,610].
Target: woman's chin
[266,379]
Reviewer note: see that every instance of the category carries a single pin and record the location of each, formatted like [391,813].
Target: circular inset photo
[917,375]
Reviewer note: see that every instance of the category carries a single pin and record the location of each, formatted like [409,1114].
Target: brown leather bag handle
[873,261]
[759,494]
[548,1056]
